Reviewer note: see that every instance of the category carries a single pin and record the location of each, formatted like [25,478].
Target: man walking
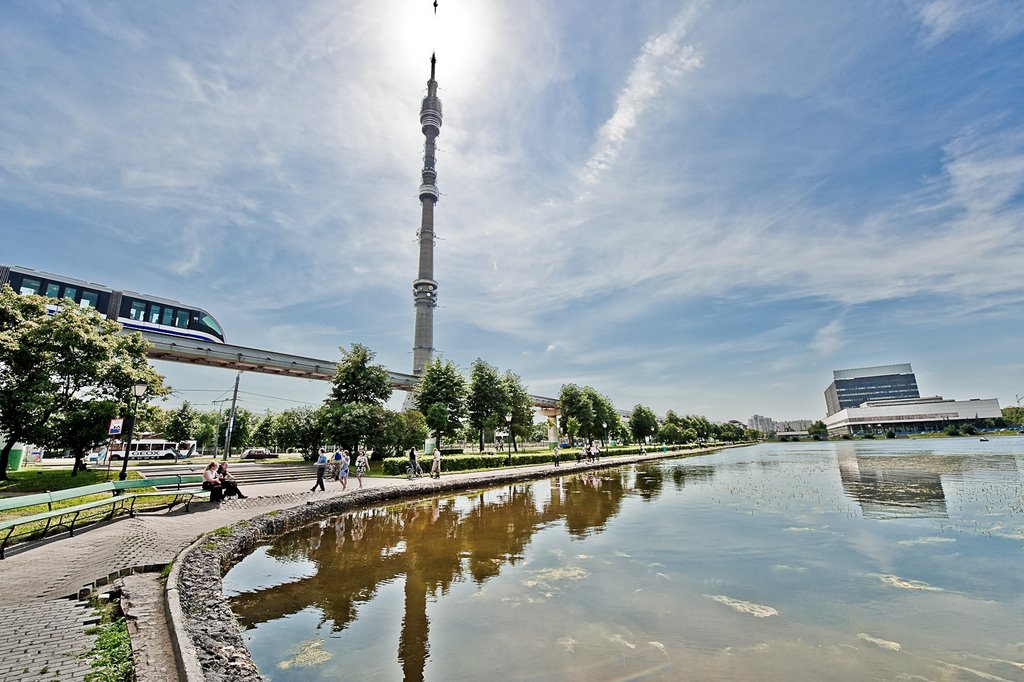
[321,467]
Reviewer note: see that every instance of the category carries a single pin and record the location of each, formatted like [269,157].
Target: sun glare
[457,34]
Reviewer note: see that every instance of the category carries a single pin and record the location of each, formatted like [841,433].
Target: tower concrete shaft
[424,289]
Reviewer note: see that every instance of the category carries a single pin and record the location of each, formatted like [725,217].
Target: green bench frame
[122,499]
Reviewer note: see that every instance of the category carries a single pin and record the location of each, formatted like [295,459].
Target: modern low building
[851,387]
[913,415]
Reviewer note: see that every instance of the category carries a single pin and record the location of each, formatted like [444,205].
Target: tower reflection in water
[431,544]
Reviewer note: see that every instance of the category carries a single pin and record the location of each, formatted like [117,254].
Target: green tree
[572,429]
[441,397]
[700,425]
[402,430]
[354,411]
[519,406]
[642,423]
[263,433]
[1014,415]
[604,414]
[575,402]
[487,400]
[670,433]
[60,373]
[182,424]
[818,430]
[301,428]
[353,424]
[358,381]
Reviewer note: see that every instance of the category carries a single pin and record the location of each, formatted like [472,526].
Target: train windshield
[208,320]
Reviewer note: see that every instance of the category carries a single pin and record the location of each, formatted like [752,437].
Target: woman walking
[435,470]
[343,470]
[362,464]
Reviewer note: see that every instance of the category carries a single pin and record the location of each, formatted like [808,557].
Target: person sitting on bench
[228,482]
[211,482]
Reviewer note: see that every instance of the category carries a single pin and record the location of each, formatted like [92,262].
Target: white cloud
[829,339]
[942,18]
[663,59]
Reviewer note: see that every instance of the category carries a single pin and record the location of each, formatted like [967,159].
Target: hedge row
[396,466]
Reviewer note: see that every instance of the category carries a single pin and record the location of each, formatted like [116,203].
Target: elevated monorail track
[228,356]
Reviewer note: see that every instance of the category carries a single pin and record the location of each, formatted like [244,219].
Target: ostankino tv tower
[424,289]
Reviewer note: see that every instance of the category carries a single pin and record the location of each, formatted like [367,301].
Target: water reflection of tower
[424,289]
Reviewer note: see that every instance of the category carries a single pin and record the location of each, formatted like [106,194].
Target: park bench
[121,499]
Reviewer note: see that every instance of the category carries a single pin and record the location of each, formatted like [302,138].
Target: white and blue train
[133,310]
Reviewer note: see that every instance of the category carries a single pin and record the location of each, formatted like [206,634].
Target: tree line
[65,372]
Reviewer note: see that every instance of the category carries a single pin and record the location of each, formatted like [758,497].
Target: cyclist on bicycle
[414,466]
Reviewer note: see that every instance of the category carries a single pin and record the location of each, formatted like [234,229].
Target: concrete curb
[185,655]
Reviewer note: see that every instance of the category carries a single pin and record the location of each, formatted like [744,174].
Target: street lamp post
[508,439]
[138,390]
[604,432]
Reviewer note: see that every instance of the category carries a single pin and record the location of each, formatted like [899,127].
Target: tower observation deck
[424,288]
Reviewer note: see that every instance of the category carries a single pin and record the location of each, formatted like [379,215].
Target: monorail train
[132,310]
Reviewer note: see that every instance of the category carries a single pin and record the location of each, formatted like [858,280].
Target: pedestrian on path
[321,467]
[558,446]
[343,470]
[435,470]
[362,464]
[334,467]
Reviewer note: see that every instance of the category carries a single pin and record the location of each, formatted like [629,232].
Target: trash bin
[14,460]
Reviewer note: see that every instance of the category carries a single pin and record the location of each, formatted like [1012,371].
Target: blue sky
[698,206]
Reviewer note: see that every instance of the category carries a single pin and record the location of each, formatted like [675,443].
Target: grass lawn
[41,480]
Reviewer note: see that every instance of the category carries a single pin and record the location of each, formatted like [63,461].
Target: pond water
[880,560]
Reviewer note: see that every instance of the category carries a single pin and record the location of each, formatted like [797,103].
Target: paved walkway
[44,624]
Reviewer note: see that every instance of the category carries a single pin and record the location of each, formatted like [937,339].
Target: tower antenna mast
[424,288]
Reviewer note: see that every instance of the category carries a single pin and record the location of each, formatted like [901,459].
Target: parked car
[258,453]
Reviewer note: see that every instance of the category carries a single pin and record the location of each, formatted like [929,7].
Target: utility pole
[231,419]
[216,427]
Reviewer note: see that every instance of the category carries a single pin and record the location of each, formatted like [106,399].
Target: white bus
[154,448]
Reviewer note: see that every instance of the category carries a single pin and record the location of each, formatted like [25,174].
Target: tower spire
[424,288]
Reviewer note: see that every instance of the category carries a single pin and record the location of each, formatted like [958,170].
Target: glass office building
[852,387]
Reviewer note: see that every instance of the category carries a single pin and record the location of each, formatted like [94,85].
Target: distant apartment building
[793,425]
[853,387]
[769,425]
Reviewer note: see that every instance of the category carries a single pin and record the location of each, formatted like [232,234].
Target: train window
[52,290]
[181,319]
[70,292]
[154,313]
[168,318]
[138,311]
[90,299]
[30,286]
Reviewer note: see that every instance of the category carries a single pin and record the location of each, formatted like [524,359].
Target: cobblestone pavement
[44,624]
[44,627]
